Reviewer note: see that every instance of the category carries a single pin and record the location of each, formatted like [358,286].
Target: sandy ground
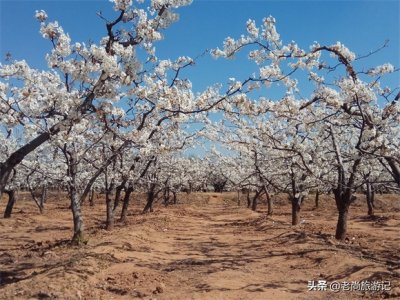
[205,247]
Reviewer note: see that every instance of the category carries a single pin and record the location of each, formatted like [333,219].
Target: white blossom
[41,15]
[121,4]
[252,28]
[381,70]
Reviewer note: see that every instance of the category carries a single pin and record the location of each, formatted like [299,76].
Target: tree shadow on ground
[41,258]
[254,287]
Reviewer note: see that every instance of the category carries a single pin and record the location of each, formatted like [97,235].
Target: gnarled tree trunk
[78,237]
[110,210]
[317,199]
[270,208]
[343,198]
[175,198]
[12,198]
[296,205]
[166,196]
[151,195]
[125,205]
[341,226]
[91,198]
[370,195]
[43,196]
[255,200]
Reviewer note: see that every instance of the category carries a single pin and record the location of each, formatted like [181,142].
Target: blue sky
[361,25]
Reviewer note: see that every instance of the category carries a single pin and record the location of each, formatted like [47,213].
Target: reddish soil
[205,247]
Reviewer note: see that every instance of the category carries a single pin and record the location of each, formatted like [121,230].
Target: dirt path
[206,253]
[207,250]
[221,260]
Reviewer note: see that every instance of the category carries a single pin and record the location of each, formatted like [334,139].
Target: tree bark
[118,191]
[175,198]
[341,227]
[150,199]
[296,205]
[270,203]
[91,198]
[43,196]
[110,208]
[12,198]
[166,196]
[248,199]
[296,197]
[78,237]
[343,198]
[373,196]
[39,203]
[369,196]
[125,205]
[317,199]
[255,200]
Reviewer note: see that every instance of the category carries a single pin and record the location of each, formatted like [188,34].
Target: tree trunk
[125,205]
[150,199]
[43,196]
[296,205]
[270,204]
[373,196]
[118,191]
[38,203]
[149,203]
[341,227]
[248,199]
[110,210]
[255,200]
[10,204]
[296,197]
[317,199]
[78,237]
[369,196]
[175,198]
[166,196]
[238,197]
[77,217]
[343,198]
[91,198]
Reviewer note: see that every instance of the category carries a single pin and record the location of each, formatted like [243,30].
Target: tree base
[79,240]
